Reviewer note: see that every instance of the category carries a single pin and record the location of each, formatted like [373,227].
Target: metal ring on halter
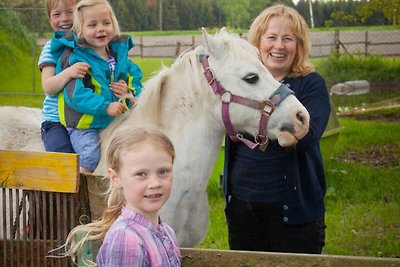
[258,139]
[212,75]
[226,97]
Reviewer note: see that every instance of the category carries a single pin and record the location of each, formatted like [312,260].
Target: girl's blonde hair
[51,4]
[78,17]
[301,64]
[122,142]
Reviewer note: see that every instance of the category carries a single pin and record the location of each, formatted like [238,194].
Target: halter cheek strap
[265,107]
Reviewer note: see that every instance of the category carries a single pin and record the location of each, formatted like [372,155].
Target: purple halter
[265,107]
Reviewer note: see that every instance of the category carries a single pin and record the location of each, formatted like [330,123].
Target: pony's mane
[156,93]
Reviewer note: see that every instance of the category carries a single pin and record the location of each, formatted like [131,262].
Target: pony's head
[245,83]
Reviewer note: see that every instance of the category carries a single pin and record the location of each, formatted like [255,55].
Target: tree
[170,15]
[236,12]
[303,9]
[342,19]
[389,8]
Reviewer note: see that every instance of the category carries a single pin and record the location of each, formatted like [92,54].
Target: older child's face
[145,178]
[278,47]
[61,15]
[97,28]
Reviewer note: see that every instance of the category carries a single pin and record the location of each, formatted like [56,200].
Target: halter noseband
[265,107]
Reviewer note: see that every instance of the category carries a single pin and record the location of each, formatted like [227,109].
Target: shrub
[352,67]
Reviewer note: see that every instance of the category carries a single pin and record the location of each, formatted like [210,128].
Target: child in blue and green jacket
[108,89]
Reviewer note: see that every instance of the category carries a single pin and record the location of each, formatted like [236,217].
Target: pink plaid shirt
[134,241]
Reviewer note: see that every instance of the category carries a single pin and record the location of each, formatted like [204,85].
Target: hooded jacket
[83,102]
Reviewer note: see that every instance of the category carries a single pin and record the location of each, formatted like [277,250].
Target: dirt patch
[376,156]
[379,155]
[385,86]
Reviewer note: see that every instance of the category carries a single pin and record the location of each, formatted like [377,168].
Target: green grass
[362,210]
[150,66]
[359,135]
[350,227]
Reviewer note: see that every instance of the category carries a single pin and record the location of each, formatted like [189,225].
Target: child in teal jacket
[90,104]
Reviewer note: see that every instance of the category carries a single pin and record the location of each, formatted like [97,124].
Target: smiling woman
[275,198]
[278,47]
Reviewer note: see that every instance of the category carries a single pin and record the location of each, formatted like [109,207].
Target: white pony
[180,102]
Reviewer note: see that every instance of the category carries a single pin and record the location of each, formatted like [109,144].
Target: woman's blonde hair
[122,142]
[78,17]
[301,64]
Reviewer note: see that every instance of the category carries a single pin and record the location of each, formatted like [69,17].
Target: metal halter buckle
[267,107]
[212,75]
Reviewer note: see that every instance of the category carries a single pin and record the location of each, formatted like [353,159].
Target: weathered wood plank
[44,171]
[228,258]
[193,257]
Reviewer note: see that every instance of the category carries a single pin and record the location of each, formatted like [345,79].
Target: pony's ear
[214,46]
[223,30]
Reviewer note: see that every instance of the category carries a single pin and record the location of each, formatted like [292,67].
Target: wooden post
[337,42]
[177,49]
[141,46]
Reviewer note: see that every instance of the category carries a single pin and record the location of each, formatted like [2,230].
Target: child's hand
[116,109]
[119,88]
[78,70]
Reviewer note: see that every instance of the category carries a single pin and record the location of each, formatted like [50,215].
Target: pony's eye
[251,78]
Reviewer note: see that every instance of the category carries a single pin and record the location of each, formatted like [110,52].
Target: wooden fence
[385,43]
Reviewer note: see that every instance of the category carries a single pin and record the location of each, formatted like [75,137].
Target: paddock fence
[365,43]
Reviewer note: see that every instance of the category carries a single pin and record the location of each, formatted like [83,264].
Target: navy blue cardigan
[304,184]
